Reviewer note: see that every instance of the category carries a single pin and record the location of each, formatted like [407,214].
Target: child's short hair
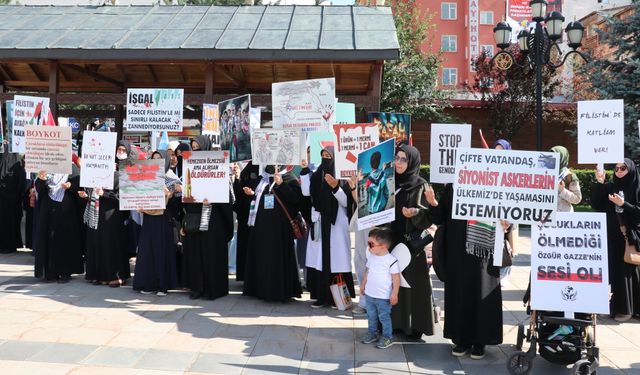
[376,157]
[382,235]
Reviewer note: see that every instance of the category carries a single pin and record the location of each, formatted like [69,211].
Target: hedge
[586,176]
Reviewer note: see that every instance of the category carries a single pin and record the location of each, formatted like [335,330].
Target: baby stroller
[558,340]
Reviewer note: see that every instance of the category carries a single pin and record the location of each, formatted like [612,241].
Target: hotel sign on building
[474,45]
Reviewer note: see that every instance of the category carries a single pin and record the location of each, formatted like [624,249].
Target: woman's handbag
[298,225]
[631,253]
[191,222]
[340,293]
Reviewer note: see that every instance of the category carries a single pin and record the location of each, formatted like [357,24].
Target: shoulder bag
[298,225]
[631,253]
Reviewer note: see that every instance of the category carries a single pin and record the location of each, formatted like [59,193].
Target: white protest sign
[569,267]
[141,185]
[307,104]
[600,131]
[350,140]
[27,110]
[47,148]
[206,176]
[517,186]
[445,140]
[98,159]
[154,109]
[276,146]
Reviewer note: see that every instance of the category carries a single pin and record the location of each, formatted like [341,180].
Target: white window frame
[447,15]
[446,72]
[485,13]
[450,39]
[487,47]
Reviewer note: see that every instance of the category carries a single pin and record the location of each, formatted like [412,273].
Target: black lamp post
[536,46]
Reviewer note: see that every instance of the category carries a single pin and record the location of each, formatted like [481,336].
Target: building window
[488,49]
[449,43]
[486,18]
[449,11]
[449,76]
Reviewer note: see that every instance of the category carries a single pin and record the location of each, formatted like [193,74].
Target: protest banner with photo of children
[235,127]
[205,176]
[392,125]
[376,185]
[569,265]
[142,185]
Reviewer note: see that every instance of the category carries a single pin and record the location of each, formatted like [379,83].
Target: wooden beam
[274,73]
[308,71]
[153,73]
[182,75]
[34,70]
[227,74]
[209,82]
[375,84]
[122,71]
[54,86]
[63,74]
[7,72]
[94,74]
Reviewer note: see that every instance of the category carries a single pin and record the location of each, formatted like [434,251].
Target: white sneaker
[145,292]
[161,294]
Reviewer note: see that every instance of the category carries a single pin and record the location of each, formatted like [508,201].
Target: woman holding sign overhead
[620,200]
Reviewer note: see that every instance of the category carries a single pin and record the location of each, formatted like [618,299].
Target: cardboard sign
[445,140]
[351,139]
[392,125]
[98,162]
[205,176]
[155,109]
[141,185]
[276,147]
[308,104]
[235,127]
[600,131]
[376,185]
[317,141]
[345,113]
[48,148]
[518,186]
[27,110]
[569,267]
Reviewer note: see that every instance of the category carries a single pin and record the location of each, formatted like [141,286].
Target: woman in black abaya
[206,256]
[12,183]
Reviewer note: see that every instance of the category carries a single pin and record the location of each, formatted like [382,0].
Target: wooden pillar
[53,88]
[375,86]
[209,82]
[119,120]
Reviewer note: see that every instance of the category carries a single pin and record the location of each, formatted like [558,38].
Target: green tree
[409,84]
[618,76]
[509,95]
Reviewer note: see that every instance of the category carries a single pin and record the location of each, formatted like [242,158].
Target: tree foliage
[510,95]
[618,76]
[409,84]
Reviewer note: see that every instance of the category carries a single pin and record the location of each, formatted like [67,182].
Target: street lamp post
[536,47]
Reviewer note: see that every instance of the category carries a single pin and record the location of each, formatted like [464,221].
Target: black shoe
[459,350]
[195,295]
[477,352]
[317,305]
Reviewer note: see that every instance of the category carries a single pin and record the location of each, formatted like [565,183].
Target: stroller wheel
[519,364]
[520,338]
[582,367]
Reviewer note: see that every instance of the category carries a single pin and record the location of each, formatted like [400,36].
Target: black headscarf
[322,197]
[630,183]
[132,152]
[163,155]
[8,161]
[410,179]
[203,141]
[182,147]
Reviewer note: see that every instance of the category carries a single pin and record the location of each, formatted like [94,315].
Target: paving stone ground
[78,328]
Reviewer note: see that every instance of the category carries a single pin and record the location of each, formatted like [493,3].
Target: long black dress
[623,277]
[59,245]
[12,182]
[271,272]
[249,177]
[156,261]
[206,257]
[473,307]
[107,258]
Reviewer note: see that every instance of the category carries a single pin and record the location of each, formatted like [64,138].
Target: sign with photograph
[520,187]
[154,109]
[569,266]
[392,125]
[376,185]
[235,130]
[98,162]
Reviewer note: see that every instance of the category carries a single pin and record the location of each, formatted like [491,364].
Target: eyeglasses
[621,168]
[401,159]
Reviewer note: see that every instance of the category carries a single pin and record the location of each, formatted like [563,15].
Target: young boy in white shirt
[380,284]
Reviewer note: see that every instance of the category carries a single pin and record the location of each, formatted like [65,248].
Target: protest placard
[255,115]
[47,148]
[517,186]
[210,119]
[205,176]
[9,107]
[27,110]
[141,184]
[98,162]
[1,135]
[392,125]
[600,131]
[235,130]
[445,140]
[317,141]
[569,266]
[154,109]
[351,139]
[376,185]
[276,146]
[345,113]
[308,104]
